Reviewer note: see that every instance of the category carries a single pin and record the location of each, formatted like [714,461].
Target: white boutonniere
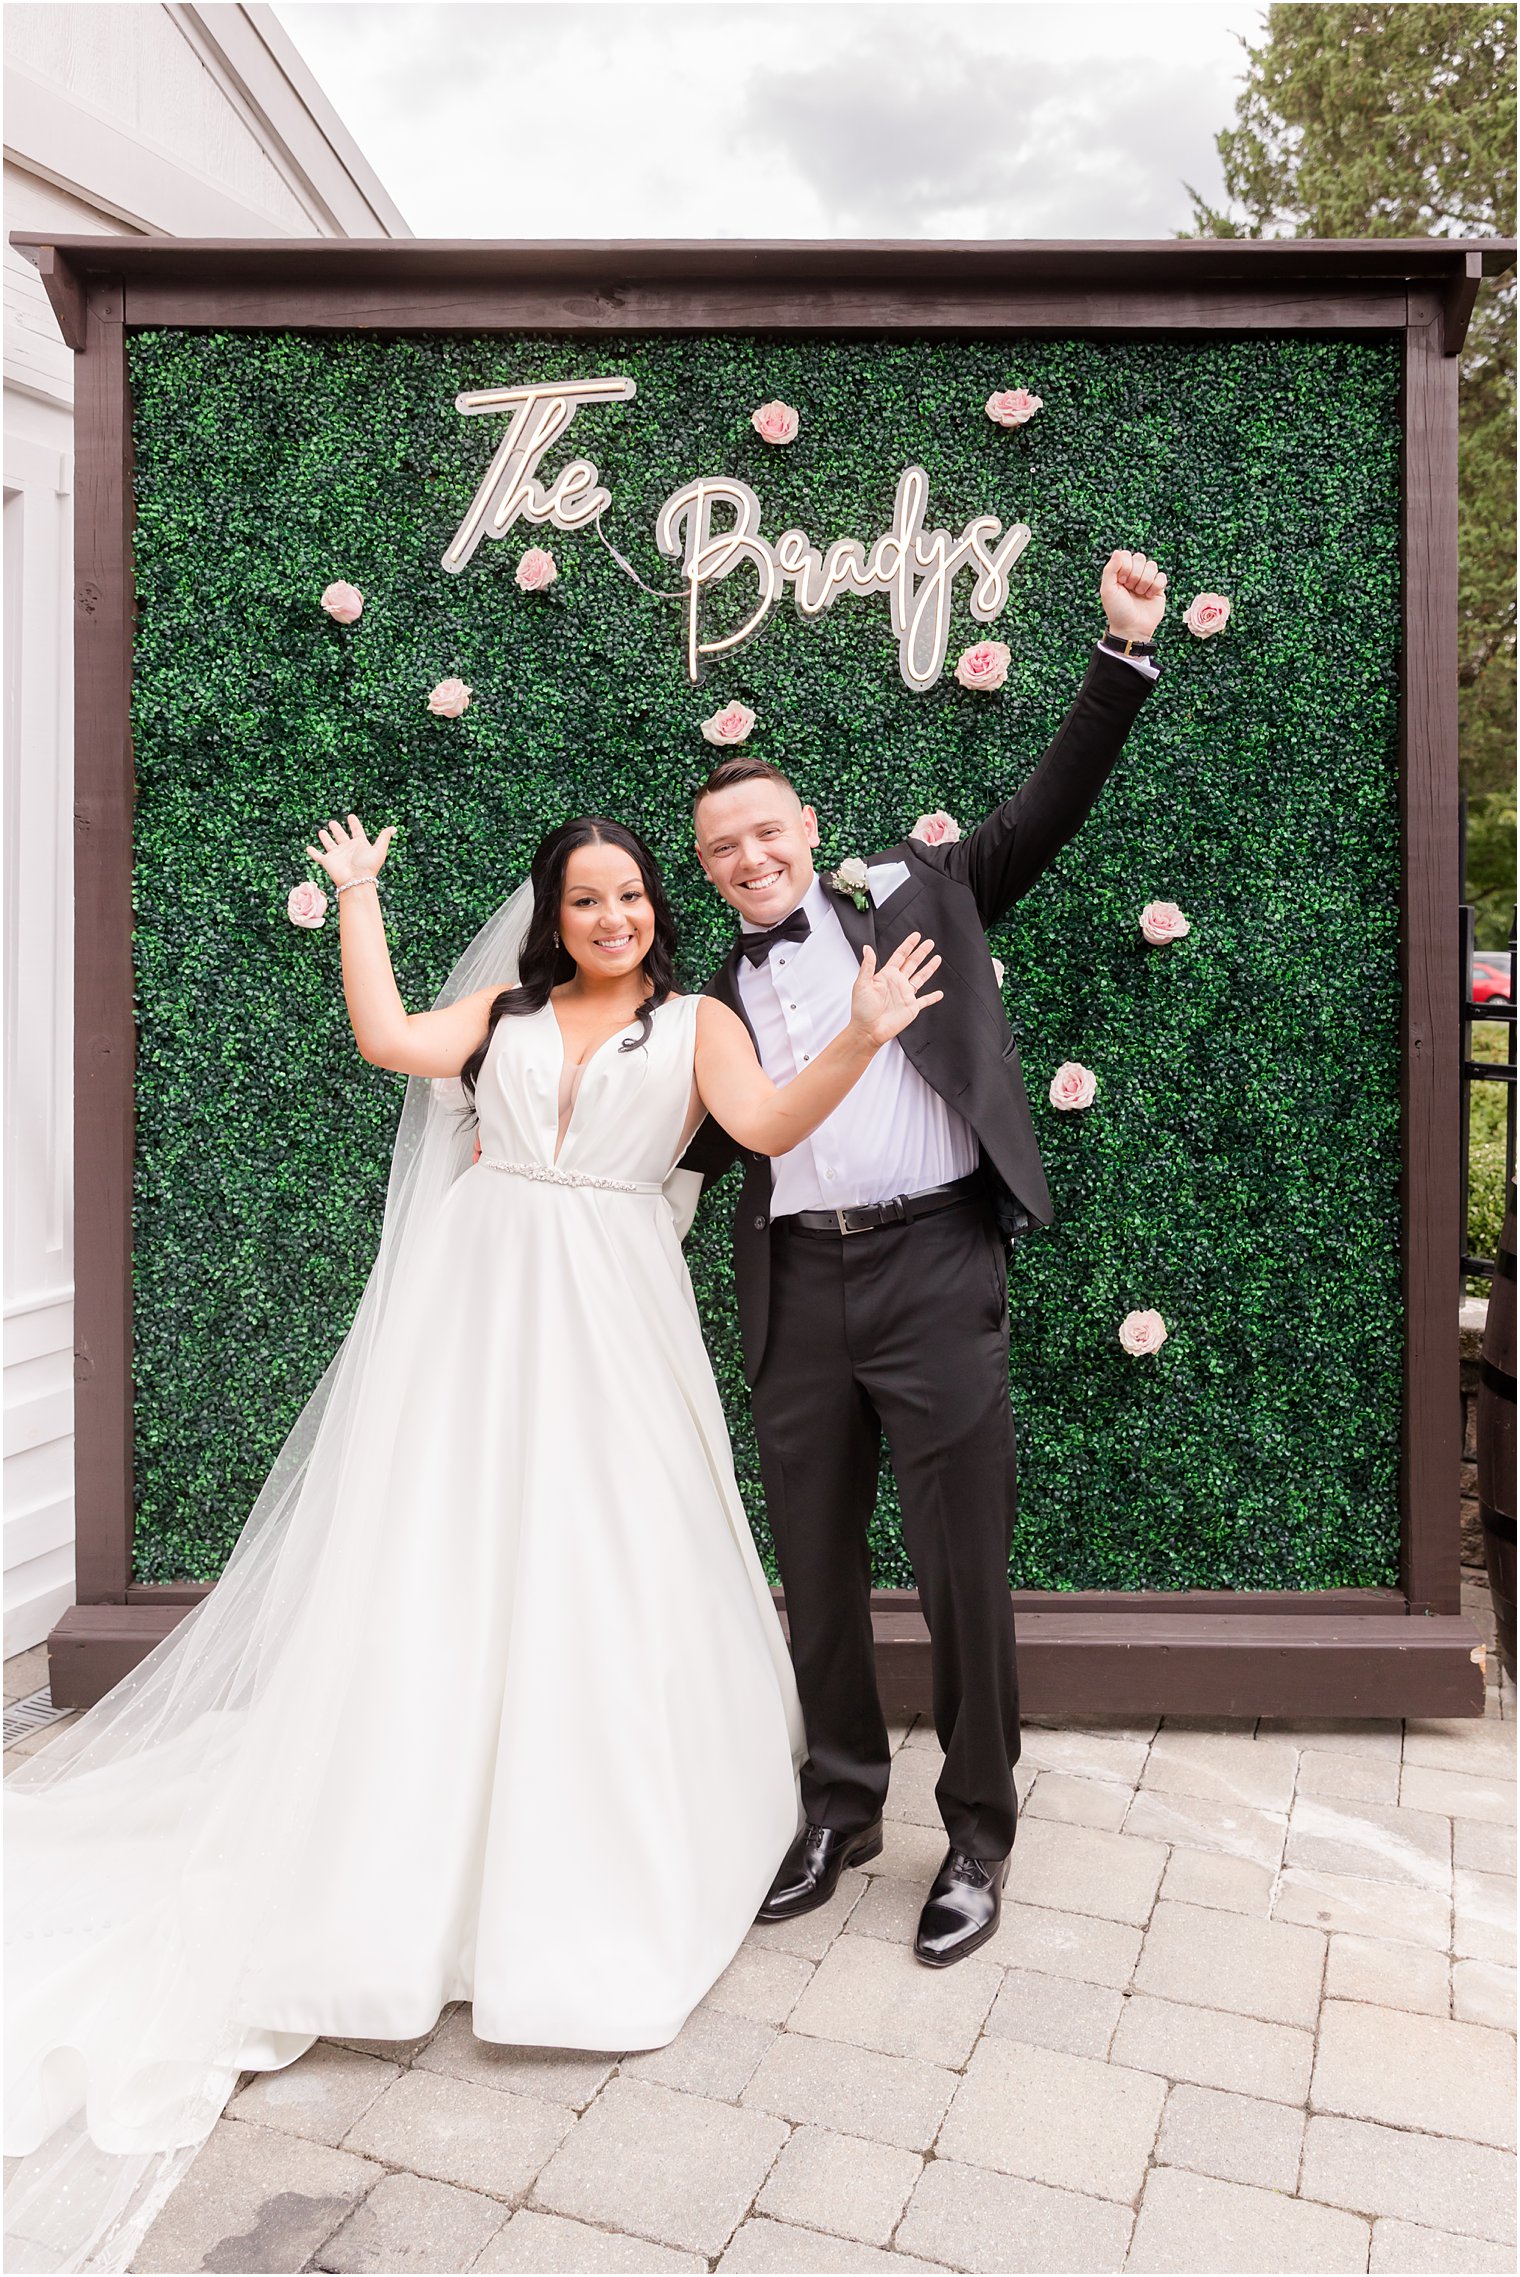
[851,877]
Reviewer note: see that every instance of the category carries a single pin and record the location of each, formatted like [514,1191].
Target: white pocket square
[884,878]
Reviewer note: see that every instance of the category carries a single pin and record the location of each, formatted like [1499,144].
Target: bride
[491,1703]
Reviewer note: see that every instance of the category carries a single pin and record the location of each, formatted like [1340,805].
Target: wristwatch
[1122,647]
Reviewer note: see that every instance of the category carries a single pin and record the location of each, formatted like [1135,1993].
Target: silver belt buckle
[839,1218]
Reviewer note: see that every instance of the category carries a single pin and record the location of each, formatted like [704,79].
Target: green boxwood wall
[1239,1170]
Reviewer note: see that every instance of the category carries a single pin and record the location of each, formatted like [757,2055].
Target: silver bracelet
[347,882]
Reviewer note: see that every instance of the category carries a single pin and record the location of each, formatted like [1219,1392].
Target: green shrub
[1485,1152]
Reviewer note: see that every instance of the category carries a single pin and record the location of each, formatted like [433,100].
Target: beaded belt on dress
[550,1174]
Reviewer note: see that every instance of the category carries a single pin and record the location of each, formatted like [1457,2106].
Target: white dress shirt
[893,1134]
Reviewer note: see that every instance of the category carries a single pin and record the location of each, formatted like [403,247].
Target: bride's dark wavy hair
[543,963]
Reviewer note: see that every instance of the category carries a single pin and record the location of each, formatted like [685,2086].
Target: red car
[1492,977]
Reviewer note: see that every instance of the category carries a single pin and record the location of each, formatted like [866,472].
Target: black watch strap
[1122,647]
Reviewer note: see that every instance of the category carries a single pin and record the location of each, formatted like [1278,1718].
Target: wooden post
[104,1032]
[1430,1089]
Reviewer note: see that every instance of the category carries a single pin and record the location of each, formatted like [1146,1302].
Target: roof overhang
[1044,282]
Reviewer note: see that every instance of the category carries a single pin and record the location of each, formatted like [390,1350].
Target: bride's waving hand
[411,1043]
[772,1118]
[733,1087]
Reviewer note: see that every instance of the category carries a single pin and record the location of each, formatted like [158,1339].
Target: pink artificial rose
[731,725]
[1142,1332]
[306,905]
[449,699]
[1072,1085]
[775,423]
[984,667]
[1013,406]
[1209,613]
[536,569]
[1163,921]
[343,603]
[937,829]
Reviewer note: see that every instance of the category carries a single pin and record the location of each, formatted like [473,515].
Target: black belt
[868,1215]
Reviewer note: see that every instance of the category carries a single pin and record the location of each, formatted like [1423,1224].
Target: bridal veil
[145,1846]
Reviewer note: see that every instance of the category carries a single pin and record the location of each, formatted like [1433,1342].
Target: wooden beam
[1177,1601]
[1225,1664]
[753,306]
[93,1647]
[1225,1602]
[1317,265]
[1457,299]
[66,291]
[1152,1662]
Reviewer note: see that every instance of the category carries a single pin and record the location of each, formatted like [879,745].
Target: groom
[872,1276]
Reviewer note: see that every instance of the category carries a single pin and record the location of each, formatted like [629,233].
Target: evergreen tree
[1399,121]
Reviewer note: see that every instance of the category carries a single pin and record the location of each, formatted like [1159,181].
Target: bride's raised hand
[885,999]
[350,853]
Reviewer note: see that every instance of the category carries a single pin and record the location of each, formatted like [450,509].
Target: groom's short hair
[742,768]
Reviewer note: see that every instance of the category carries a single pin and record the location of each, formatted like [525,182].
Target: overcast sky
[726,118]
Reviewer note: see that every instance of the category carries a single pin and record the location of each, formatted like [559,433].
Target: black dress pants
[904,1330]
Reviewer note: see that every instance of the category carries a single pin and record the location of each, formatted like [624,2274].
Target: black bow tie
[758,946]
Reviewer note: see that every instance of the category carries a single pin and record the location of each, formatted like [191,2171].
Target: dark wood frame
[1381,1652]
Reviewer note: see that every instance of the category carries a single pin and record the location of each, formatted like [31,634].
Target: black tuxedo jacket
[965,1047]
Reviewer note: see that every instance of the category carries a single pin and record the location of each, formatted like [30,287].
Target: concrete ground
[1252,2008]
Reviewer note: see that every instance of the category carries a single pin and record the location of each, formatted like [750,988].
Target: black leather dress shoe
[808,1873]
[962,1910]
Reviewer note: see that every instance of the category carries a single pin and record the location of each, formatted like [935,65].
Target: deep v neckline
[562,1140]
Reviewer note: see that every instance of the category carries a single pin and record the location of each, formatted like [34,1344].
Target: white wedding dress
[504,1713]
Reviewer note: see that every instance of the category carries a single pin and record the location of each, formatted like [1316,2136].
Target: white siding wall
[133,68]
[39,1336]
[39,1319]
[177,119]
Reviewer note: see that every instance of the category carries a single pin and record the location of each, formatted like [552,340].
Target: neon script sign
[913,567]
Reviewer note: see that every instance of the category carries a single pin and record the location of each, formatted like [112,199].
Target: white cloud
[768,118]
[985,137]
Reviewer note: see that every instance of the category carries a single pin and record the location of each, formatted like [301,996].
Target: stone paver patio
[1252,2008]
